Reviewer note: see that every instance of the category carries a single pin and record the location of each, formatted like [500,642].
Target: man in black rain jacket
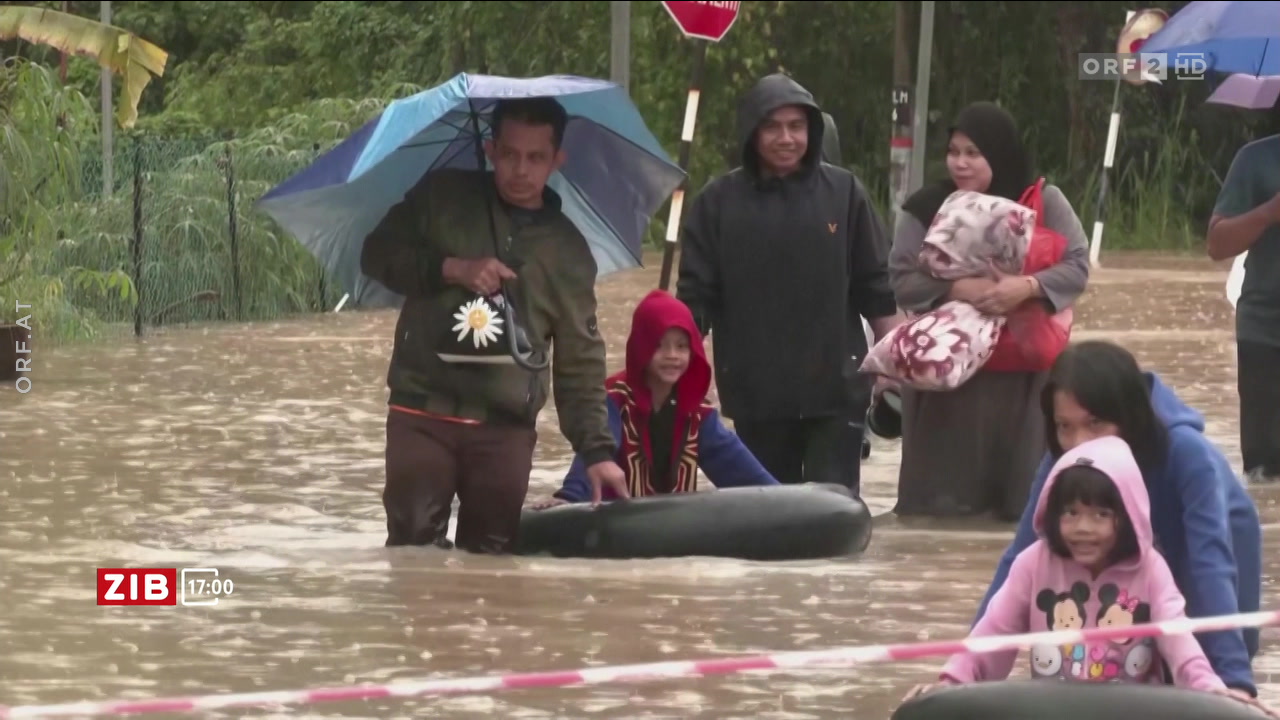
[781,258]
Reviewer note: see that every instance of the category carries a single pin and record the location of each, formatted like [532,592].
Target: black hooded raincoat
[779,271]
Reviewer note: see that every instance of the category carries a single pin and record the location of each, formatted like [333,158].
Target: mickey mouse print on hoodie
[1063,611]
[1073,578]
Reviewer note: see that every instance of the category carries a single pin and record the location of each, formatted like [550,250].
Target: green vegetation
[40,179]
[254,90]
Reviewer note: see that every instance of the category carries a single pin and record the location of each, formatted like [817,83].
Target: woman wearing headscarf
[974,450]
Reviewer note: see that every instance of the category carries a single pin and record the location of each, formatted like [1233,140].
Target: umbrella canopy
[1247,91]
[1233,37]
[615,177]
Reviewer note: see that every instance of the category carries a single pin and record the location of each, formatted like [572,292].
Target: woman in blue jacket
[1205,523]
[662,422]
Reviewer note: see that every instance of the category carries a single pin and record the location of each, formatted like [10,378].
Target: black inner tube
[1049,700]
[782,522]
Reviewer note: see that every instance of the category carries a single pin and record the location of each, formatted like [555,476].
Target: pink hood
[1046,592]
[1113,458]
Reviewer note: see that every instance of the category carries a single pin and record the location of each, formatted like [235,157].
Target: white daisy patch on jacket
[479,319]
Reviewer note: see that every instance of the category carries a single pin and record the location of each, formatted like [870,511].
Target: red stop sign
[702,19]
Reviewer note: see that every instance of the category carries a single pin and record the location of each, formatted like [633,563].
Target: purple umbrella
[1248,91]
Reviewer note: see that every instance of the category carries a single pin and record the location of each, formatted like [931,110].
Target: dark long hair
[1105,379]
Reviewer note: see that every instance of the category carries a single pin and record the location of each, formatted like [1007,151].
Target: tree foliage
[277,82]
[243,65]
[44,128]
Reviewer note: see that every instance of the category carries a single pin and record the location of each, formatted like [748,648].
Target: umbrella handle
[518,344]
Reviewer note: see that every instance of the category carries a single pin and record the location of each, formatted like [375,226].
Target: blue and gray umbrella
[615,177]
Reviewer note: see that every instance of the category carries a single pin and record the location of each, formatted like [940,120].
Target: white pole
[620,43]
[924,66]
[1108,161]
[108,119]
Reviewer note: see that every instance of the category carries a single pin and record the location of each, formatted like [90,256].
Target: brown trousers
[430,460]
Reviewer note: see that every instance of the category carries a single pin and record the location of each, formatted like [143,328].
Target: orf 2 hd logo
[162,586]
[1149,67]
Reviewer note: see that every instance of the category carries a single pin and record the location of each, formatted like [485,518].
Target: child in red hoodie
[665,428]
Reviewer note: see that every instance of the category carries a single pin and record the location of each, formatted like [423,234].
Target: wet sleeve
[1238,194]
[870,292]
[399,252]
[1007,616]
[914,288]
[1211,581]
[577,488]
[578,361]
[1182,653]
[725,459]
[698,280]
[1063,283]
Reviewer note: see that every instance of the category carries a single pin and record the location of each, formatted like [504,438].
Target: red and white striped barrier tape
[837,657]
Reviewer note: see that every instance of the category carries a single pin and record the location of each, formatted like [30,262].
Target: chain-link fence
[177,218]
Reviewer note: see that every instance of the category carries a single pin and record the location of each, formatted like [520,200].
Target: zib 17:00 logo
[163,586]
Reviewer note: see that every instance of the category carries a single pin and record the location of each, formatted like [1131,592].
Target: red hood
[658,312]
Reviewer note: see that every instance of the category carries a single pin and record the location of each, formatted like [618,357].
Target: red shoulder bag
[1032,339]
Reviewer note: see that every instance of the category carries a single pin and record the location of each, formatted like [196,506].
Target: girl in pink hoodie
[1094,565]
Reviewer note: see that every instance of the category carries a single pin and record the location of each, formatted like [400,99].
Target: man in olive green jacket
[469,427]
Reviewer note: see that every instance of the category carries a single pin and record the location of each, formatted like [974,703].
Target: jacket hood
[1170,408]
[769,94]
[1112,456]
[657,313]
[830,141]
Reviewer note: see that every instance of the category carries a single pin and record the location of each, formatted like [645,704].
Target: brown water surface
[257,449]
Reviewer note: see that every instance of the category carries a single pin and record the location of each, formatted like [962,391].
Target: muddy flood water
[257,450]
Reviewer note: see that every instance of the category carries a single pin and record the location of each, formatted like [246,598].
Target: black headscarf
[996,135]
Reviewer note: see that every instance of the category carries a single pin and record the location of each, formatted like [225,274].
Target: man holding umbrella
[462,415]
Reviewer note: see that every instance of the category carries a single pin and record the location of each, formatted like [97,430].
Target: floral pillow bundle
[972,235]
